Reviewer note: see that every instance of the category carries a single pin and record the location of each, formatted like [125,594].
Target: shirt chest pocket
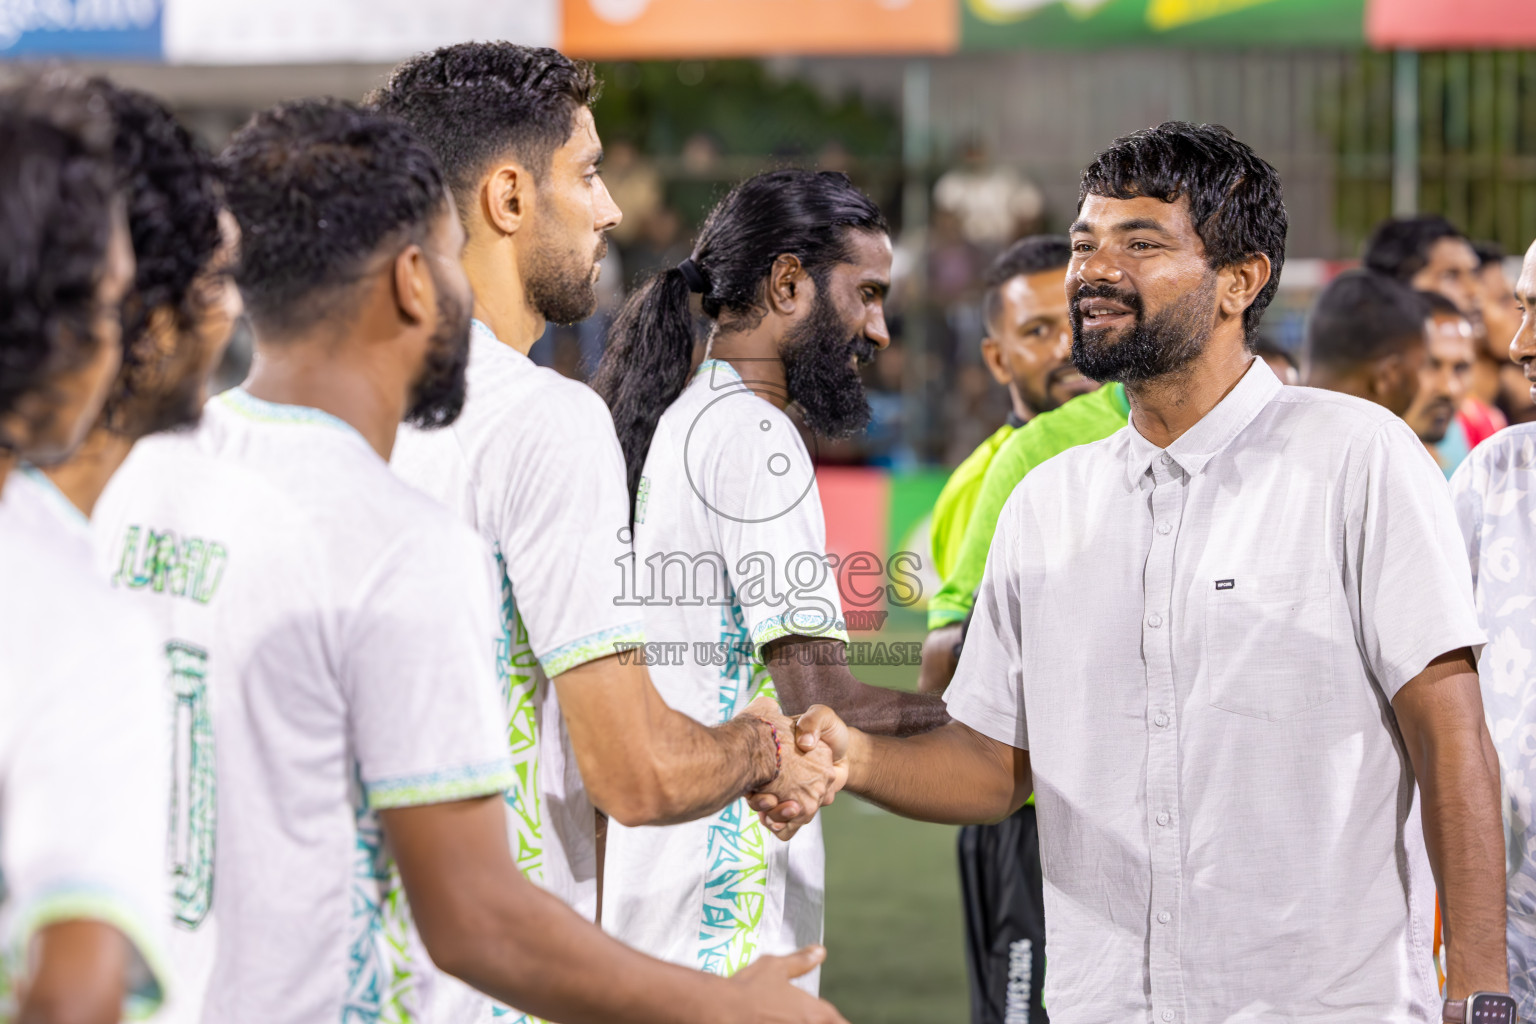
[1269,645]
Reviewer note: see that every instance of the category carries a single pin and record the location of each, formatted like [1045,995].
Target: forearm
[541,958]
[645,763]
[1464,834]
[950,775]
[810,672]
[699,770]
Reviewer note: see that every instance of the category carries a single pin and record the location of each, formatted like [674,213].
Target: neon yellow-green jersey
[1085,418]
[952,509]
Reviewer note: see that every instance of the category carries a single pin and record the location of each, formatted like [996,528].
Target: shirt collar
[1214,431]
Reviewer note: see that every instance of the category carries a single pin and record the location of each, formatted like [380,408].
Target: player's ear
[414,296]
[788,285]
[992,355]
[505,195]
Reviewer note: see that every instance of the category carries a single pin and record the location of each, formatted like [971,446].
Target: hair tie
[693,275]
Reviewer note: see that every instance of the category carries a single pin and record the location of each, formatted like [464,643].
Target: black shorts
[1001,886]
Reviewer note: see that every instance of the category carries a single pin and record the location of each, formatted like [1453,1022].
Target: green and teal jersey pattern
[952,510]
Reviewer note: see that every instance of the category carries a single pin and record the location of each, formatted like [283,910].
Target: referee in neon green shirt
[1028,348]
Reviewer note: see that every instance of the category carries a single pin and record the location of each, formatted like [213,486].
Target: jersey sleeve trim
[811,623]
[441,787]
[144,989]
[590,648]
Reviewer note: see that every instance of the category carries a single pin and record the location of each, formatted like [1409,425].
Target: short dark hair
[319,187]
[646,366]
[1489,252]
[1400,247]
[1234,195]
[58,192]
[473,103]
[1033,255]
[1438,305]
[1363,316]
[174,197]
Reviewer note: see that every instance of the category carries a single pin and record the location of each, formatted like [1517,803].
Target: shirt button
[1164,528]
[1154,620]
[1163,917]
[1166,459]
[1162,817]
[1161,720]
[1167,1015]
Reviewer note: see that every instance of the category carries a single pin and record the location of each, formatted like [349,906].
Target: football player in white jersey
[534,465]
[792,268]
[82,743]
[328,631]
[183,305]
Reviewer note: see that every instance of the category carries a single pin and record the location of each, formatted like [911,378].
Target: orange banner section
[635,29]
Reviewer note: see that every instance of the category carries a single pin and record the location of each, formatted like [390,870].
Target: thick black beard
[438,396]
[1152,347]
[559,282]
[819,374]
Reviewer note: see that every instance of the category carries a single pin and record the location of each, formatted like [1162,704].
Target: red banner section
[1445,25]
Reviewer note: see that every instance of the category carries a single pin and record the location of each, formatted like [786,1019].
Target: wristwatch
[1481,1008]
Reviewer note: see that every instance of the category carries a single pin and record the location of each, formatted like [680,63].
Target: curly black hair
[319,187]
[477,102]
[174,196]
[1234,195]
[58,195]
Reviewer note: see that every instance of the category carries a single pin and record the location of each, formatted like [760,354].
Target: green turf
[895,947]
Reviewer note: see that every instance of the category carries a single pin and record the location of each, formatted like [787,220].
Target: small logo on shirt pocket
[1225,584]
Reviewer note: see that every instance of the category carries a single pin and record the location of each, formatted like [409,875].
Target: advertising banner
[639,29]
[1091,24]
[1437,25]
[113,29]
[353,31]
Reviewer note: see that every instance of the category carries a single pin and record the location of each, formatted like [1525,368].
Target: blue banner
[124,29]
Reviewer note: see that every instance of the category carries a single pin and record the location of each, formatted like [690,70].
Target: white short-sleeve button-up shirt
[1199,648]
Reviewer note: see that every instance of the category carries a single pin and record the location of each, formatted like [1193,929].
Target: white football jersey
[730,555]
[83,751]
[533,464]
[327,631]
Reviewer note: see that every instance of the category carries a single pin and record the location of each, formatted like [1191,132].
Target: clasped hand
[813,752]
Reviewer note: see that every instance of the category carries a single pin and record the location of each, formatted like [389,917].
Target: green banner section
[1087,24]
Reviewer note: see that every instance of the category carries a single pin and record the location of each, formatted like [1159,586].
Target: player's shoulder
[1330,412]
[1504,460]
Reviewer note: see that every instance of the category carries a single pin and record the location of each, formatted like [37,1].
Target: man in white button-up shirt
[1221,646]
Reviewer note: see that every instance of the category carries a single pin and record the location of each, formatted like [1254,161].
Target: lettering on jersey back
[157,560]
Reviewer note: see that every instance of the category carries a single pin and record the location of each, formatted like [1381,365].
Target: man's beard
[1166,343]
[820,375]
[560,284]
[438,395]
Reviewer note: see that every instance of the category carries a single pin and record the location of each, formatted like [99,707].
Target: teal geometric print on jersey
[522,691]
[155,559]
[190,844]
[736,883]
[381,974]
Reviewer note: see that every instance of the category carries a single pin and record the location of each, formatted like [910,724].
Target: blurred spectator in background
[1495,496]
[1501,320]
[1282,362]
[1431,254]
[1444,383]
[992,203]
[635,185]
[1366,337]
